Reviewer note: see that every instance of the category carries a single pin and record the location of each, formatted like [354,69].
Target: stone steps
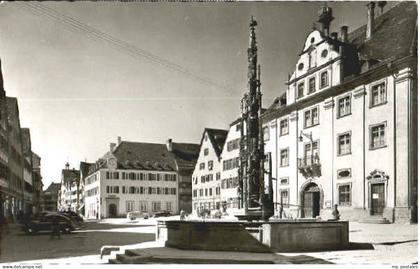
[375,220]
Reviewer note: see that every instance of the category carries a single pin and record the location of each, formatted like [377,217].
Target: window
[155,206]
[202,166]
[201,192]
[377,136]
[344,106]
[266,133]
[311,153]
[129,206]
[300,88]
[218,176]
[324,53]
[143,206]
[284,127]
[284,198]
[210,165]
[238,127]
[344,173]
[194,193]
[300,66]
[206,192]
[323,80]
[344,195]
[284,157]
[378,94]
[169,206]
[284,181]
[206,151]
[217,190]
[311,85]
[210,191]
[234,144]
[344,144]
[230,164]
[311,117]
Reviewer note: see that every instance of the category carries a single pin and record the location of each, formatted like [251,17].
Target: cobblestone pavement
[15,245]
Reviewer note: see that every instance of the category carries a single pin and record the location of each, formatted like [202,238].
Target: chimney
[112,147]
[344,34]
[334,35]
[371,17]
[118,140]
[169,145]
[67,165]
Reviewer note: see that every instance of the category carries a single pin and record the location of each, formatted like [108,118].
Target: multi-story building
[69,191]
[229,169]
[136,176]
[50,197]
[206,175]
[4,153]
[28,187]
[347,134]
[37,182]
[84,172]
[15,161]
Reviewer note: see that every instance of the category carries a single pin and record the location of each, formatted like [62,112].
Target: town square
[277,132]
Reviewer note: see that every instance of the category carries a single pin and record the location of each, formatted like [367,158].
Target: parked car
[162,213]
[44,221]
[73,215]
[137,214]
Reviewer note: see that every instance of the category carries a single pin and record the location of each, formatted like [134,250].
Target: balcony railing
[309,166]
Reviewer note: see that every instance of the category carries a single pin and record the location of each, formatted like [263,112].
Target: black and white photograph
[199,133]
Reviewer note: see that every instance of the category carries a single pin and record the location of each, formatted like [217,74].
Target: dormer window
[300,88]
[324,79]
[311,85]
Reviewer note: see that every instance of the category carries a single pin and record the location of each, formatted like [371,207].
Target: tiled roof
[70,175]
[217,138]
[185,155]
[53,188]
[393,33]
[144,156]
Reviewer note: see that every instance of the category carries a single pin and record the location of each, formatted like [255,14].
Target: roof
[84,168]
[53,188]
[12,110]
[69,176]
[26,142]
[392,35]
[185,155]
[217,138]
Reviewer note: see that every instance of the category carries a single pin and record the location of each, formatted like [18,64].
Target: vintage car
[44,222]
[137,214]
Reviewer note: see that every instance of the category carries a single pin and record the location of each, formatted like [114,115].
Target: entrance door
[377,198]
[112,210]
[311,199]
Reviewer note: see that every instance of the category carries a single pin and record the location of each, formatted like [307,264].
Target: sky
[163,70]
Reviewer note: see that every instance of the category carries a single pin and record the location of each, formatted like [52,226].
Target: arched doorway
[112,210]
[311,197]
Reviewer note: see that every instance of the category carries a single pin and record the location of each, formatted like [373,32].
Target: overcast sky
[77,93]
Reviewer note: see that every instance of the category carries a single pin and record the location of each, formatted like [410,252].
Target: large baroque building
[146,177]
[347,133]
[206,175]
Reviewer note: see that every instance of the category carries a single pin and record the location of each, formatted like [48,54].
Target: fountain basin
[278,236]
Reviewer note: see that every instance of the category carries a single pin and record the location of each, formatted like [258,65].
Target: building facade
[229,169]
[135,176]
[50,197]
[206,175]
[69,191]
[4,156]
[37,182]
[28,188]
[347,134]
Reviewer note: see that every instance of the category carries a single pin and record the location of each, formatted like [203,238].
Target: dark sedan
[44,222]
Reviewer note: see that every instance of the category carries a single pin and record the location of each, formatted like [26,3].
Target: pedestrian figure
[55,228]
[182,215]
[335,213]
